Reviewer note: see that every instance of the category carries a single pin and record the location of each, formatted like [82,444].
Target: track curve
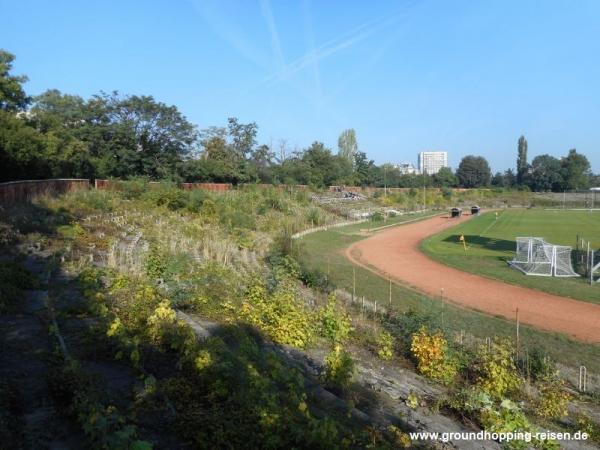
[395,253]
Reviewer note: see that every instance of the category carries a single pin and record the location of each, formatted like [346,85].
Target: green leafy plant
[14,279]
[431,353]
[339,368]
[156,263]
[385,345]
[280,315]
[553,400]
[495,370]
[335,323]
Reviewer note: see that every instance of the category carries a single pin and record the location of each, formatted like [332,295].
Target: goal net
[534,256]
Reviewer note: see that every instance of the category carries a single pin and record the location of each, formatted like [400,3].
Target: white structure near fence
[534,256]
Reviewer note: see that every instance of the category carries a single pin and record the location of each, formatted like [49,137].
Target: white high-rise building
[431,162]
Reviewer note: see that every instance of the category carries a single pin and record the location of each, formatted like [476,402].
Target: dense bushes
[431,353]
[495,370]
[14,279]
[339,369]
[279,314]
[204,253]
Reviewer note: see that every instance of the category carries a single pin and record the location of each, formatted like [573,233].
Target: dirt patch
[395,253]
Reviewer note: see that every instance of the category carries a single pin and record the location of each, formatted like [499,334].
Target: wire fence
[587,259]
[533,351]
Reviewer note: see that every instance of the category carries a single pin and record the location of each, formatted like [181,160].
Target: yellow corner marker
[463,240]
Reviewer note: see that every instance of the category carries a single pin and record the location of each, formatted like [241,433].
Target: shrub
[156,264]
[507,418]
[13,280]
[377,216]
[168,195]
[430,351]
[283,268]
[540,365]
[385,346]
[167,332]
[209,210]
[134,188]
[553,401]
[315,278]
[208,287]
[588,425]
[280,315]
[314,217]
[339,368]
[335,323]
[103,424]
[496,371]
[197,197]
[237,219]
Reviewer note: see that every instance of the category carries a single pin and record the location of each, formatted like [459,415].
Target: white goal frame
[536,257]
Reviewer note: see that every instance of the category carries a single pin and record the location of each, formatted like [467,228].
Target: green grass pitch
[491,243]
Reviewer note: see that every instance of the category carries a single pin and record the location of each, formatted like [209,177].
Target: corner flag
[463,240]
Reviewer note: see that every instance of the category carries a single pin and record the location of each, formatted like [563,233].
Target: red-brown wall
[27,190]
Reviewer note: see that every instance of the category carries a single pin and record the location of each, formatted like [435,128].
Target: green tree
[545,174]
[347,145]
[59,116]
[445,178]
[510,179]
[54,110]
[242,136]
[260,164]
[22,150]
[12,95]
[576,171]
[324,168]
[135,135]
[497,179]
[474,171]
[522,165]
[506,179]
[365,170]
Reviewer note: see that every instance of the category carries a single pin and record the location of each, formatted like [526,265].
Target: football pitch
[490,243]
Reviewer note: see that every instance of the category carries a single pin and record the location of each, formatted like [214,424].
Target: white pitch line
[490,226]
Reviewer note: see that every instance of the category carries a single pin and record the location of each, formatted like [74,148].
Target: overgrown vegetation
[142,255]
[14,279]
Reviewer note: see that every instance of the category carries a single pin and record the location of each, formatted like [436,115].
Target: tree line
[111,135]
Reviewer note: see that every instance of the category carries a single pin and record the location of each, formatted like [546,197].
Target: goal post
[534,256]
[594,266]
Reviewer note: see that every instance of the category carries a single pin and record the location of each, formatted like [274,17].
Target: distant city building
[406,168]
[431,162]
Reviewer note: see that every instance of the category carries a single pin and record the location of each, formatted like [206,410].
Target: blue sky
[462,76]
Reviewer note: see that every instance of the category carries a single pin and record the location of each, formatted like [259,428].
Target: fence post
[517,318]
[353,283]
[587,258]
[592,269]
[362,308]
[582,378]
[442,298]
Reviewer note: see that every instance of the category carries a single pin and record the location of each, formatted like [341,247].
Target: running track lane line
[395,253]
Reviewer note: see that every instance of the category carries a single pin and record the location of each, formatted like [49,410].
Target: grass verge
[324,251]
